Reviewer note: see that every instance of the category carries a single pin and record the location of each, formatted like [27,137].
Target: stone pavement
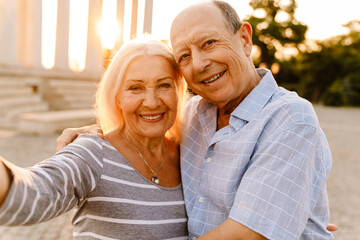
[341,126]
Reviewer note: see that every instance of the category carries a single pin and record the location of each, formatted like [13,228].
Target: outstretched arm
[70,134]
[51,187]
[5,181]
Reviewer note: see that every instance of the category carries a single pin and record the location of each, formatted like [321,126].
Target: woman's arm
[5,181]
[51,187]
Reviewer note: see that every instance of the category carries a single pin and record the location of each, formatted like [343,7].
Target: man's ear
[245,33]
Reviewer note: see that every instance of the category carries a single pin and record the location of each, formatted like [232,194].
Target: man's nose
[200,61]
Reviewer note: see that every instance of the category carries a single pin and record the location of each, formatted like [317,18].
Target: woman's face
[148,96]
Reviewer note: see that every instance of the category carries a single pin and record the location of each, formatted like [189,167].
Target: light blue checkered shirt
[267,170]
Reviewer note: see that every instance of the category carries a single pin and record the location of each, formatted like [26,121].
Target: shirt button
[201,200]
[208,159]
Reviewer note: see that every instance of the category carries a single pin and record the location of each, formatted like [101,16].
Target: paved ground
[341,126]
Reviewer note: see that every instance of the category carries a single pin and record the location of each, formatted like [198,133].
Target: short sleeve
[285,177]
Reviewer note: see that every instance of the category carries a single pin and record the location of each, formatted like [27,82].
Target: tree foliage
[275,29]
[329,74]
[332,74]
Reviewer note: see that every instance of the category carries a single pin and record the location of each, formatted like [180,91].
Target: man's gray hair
[232,18]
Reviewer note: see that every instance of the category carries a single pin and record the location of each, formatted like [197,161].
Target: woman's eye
[135,88]
[165,85]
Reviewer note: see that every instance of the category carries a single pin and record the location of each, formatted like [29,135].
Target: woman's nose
[151,99]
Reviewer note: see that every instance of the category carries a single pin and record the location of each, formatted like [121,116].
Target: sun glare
[79,13]
[48,33]
[108,27]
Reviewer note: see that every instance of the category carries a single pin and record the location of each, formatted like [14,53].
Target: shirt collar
[250,106]
[257,98]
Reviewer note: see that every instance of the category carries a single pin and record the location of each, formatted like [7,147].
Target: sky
[323,17]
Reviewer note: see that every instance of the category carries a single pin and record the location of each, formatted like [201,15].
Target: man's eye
[184,57]
[209,43]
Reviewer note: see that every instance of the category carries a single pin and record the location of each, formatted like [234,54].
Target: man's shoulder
[291,107]
[192,106]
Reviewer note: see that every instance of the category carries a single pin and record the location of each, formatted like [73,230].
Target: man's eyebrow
[195,39]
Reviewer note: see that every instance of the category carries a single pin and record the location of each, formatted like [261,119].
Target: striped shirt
[266,170]
[111,199]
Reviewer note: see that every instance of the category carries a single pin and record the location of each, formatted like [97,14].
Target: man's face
[213,60]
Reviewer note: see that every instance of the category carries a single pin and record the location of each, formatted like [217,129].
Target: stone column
[94,53]
[62,35]
[120,19]
[134,15]
[148,16]
[8,32]
[30,15]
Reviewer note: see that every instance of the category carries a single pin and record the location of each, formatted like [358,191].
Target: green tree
[275,29]
[332,73]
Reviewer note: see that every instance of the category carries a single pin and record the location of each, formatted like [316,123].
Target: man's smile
[214,78]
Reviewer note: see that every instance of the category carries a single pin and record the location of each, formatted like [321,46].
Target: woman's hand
[70,134]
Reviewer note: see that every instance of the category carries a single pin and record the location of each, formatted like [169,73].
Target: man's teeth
[151,117]
[213,78]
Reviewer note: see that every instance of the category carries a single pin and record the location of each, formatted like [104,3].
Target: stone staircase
[19,95]
[70,103]
[65,94]
[45,106]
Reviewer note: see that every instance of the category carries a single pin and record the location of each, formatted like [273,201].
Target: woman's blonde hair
[109,114]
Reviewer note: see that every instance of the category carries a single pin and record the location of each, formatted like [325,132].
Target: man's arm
[232,230]
[5,181]
[70,134]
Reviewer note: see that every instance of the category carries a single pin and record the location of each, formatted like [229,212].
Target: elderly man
[254,159]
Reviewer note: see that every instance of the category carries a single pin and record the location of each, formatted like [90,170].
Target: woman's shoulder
[89,140]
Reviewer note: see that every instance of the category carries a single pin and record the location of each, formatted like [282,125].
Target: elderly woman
[126,186]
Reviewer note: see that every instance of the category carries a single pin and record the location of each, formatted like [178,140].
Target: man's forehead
[194,10]
[193,16]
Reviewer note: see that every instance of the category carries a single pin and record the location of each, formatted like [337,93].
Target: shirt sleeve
[54,186]
[285,178]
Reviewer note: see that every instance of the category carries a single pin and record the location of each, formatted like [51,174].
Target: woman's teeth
[151,117]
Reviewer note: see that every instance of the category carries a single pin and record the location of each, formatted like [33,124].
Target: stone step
[15,91]
[9,118]
[11,81]
[77,91]
[61,105]
[13,112]
[68,84]
[8,103]
[75,98]
[50,122]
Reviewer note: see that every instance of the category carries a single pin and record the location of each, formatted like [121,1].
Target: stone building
[39,99]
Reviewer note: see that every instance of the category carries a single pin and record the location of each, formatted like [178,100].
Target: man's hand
[70,134]
[331,227]
[233,230]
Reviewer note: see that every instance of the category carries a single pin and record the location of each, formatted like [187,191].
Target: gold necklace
[155,179]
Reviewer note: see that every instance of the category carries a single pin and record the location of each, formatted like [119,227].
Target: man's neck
[222,120]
